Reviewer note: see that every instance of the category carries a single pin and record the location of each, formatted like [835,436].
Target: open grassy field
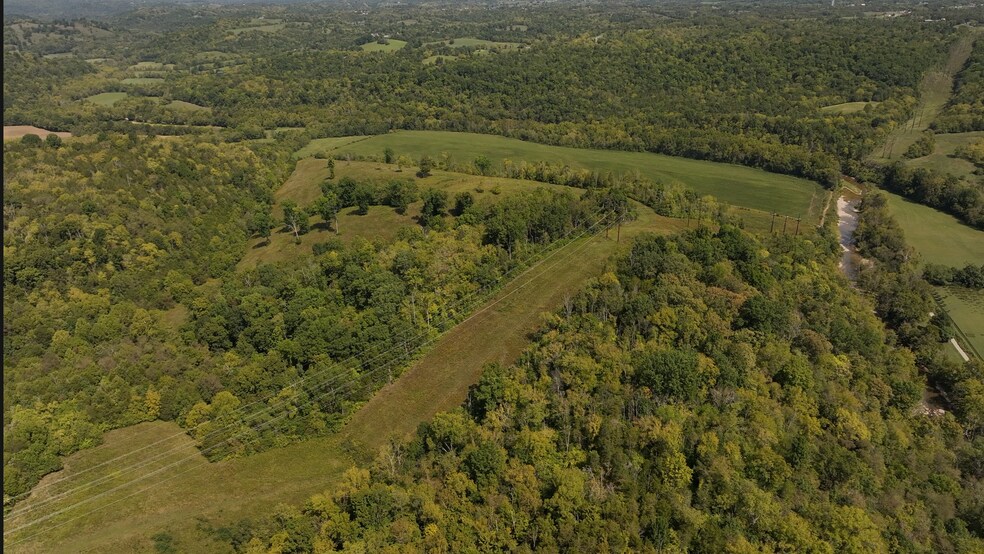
[934,91]
[106,98]
[13,132]
[182,105]
[382,222]
[938,237]
[733,184]
[198,494]
[392,45]
[326,145]
[942,158]
[847,107]
[474,42]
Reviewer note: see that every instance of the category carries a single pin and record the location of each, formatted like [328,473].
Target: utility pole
[785,220]
[797,226]
[772,229]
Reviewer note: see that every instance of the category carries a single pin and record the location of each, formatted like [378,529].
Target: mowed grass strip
[729,183]
[496,333]
[226,492]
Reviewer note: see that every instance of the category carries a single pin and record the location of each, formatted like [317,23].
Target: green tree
[328,207]
[388,155]
[425,166]
[483,164]
[435,202]
[295,219]
[462,201]
[53,141]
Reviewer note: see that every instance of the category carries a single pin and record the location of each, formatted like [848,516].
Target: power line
[379,368]
[460,303]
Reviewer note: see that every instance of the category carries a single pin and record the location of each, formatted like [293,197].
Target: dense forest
[710,394]
[96,300]
[746,90]
[713,390]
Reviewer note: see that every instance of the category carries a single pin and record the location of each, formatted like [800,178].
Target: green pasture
[729,183]
[392,45]
[325,145]
[182,105]
[939,238]
[106,98]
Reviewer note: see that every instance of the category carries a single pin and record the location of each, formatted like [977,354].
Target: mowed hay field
[14,132]
[382,222]
[732,184]
[941,239]
[186,498]
[938,237]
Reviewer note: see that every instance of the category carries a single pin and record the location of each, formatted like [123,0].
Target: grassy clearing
[106,98]
[934,91]
[942,158]
[142,80]
[733,184]
[182,105]
[941,239]
[474,42]
[847,107]
[392,45]
[938,237]
[329,144]
[58,55]
[229,491]
[14,132]
[382,222]
[431,60]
